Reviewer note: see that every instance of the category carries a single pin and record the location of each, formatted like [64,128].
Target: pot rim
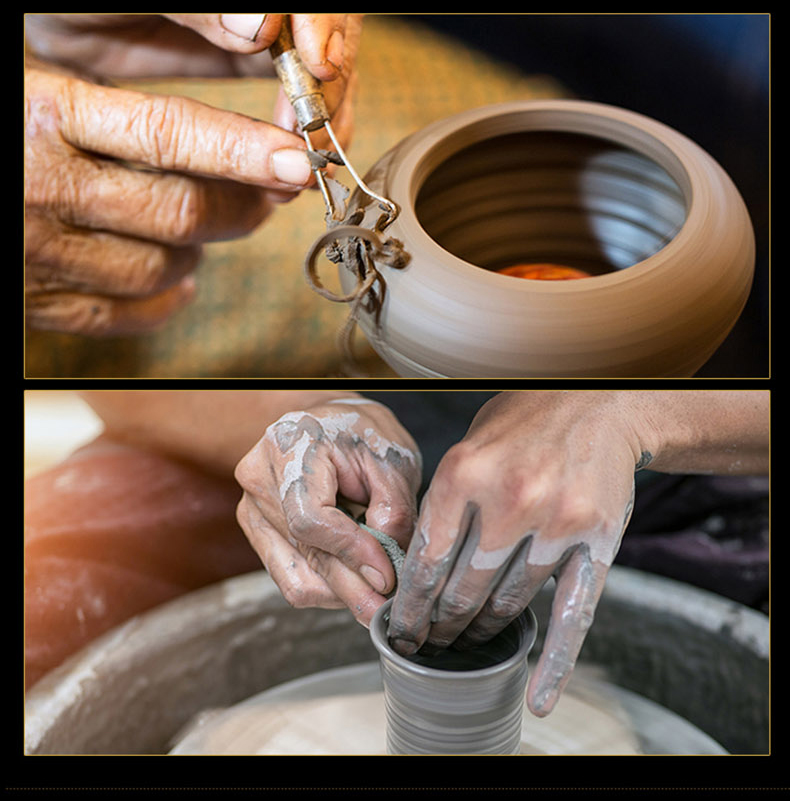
[425,150]
[379,639]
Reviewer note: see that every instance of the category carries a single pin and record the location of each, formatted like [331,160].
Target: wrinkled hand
[122,188]
[542,484]
[293,479]
[206,45]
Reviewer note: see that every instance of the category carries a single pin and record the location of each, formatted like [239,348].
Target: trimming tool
[304,91]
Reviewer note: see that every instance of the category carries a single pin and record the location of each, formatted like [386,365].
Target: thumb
[181,134]
[236,33]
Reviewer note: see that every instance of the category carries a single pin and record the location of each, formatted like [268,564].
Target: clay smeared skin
[507,589]
[644,460]
[304,465]
[543,485]
[558,511]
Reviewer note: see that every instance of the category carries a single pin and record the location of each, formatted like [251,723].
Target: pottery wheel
[341,711]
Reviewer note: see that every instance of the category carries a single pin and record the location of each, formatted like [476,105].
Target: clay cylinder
[457,702]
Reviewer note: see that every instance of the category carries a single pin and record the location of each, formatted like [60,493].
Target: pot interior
[550,197]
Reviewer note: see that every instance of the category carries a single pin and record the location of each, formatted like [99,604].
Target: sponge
[391,547]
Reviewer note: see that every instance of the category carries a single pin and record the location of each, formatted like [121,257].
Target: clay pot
[654,218]
[457,702]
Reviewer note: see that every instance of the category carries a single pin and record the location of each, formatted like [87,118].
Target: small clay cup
[456,702]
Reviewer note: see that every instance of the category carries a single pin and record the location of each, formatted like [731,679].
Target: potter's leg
[113,531]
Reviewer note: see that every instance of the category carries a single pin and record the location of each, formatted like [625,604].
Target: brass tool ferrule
[301,86]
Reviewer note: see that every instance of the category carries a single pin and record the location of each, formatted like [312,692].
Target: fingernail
[334,50]
[245,26]
[404,647]
[373,577]
[291,166]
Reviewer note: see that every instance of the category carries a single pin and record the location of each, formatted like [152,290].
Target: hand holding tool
[305,93]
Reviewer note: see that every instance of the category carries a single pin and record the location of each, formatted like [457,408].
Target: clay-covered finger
[438,537]
[314,519]
[474,574]
[349,587]
[392,508]
[519,584]
[59,257]
[580,581]
[390,478]
[308,486]
[300,585]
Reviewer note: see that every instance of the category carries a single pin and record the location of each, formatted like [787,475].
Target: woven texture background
[254,314]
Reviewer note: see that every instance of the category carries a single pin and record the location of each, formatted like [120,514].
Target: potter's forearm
[213,428]
[701,431]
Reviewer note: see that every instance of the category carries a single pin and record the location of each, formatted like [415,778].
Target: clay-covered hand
[306,465]
[205,45]
[541,485]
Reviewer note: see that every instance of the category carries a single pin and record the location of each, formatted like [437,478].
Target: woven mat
[254,314]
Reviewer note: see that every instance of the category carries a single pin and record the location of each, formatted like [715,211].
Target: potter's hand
[293,479]
[542,484]
[205,45]
[122,188]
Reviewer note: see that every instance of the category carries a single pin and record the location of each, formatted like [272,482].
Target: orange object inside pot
[543,272]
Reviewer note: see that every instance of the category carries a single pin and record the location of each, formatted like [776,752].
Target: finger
[59,257]
[354,591]
[94,315]
[164,207]
[429,560]
[580,582]
[519,584]
[236,33]
[137,45]
[338,87]
[182,135]
[320,42]
[472,577]
[300,585]
[315,520]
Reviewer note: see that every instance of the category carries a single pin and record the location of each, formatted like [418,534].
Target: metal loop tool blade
[305,93]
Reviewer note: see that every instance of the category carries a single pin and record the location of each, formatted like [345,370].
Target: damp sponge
[391,547]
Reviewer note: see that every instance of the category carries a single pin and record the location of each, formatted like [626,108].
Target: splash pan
[657,648]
